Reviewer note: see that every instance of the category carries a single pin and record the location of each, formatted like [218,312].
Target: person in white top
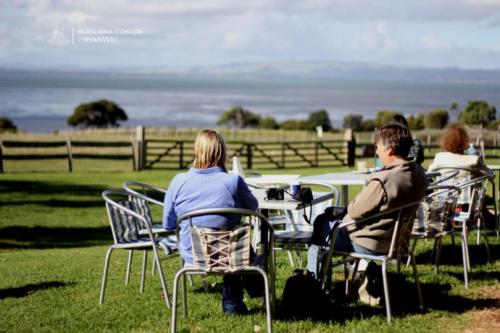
[454,142]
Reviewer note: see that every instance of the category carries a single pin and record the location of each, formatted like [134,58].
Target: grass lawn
[54,234]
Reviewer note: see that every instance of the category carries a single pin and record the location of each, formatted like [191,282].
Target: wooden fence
[146,153]
[176,154]
[67,146]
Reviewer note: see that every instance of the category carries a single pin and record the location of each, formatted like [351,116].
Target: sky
[127,34]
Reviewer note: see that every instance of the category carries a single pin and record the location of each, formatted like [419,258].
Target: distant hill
[289,72]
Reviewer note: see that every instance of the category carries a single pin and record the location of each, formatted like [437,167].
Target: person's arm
[169,215]
[247,199]
[368,201]
[419,151]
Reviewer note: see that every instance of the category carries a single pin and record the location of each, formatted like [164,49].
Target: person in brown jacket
[399,182]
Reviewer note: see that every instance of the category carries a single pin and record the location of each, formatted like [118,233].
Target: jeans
[342,243]
[233,285]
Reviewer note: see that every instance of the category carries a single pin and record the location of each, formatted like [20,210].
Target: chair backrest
[237,168]
[227,250]
[435,212]
[124,216]
[151,193]
[402,230]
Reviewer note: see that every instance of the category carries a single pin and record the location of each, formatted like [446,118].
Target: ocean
[39,101]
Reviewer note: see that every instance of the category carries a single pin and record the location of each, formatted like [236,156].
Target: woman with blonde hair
[208,185]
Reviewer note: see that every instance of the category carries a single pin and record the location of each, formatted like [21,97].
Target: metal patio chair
[403,217]
[293,238]
[434,220]
[149,195]
[227,251]
[126,222]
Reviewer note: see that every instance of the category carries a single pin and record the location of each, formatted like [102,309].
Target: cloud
[190,32]
[434,43]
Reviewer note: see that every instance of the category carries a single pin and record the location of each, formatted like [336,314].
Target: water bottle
[471,150]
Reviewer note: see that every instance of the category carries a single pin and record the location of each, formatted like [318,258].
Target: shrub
[353,121]
[102,113]
[478,112]
[437,118]
[7,124]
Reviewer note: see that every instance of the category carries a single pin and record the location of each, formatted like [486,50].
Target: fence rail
[174,154]
[148,153]
[13,150]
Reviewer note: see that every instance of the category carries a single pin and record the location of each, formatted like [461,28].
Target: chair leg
[485,236]
[478,227]
[386,291]
[411,250]
[417,282]
[268,301]
[438,245]
[153,268]
[464,261]
[105,275]
[184,297]
[156,259]
[290,258]
[173,324]
[466,242]
[143,272]
[354,272]
[129,263]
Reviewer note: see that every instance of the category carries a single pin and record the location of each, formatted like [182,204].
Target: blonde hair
[209,150]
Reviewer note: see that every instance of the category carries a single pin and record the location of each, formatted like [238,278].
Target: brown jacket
[395,185]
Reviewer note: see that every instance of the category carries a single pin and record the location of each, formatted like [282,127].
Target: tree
[353,121]
[478,112]
[368,125]
[294,124]
[102,113]
[7,125]
[238,117]
[319,118]
[437,118]
[268,123]
[384,116]
[416,122]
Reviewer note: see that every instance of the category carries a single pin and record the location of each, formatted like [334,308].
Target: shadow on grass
[29,289]
[49,190]
[57,203]
[46,237]
[452,255]
[404,301]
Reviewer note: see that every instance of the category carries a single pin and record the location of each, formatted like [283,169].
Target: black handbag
[305,196]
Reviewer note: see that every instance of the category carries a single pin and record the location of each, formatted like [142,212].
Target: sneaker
[371,290]
[364,295]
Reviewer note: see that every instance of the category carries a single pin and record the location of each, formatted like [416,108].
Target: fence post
[141,147]
[134,156]
[283,155]
[351,147]
[429,139]
[1,156]
[70,154]
[316,153]
[181,155]
[249,156]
